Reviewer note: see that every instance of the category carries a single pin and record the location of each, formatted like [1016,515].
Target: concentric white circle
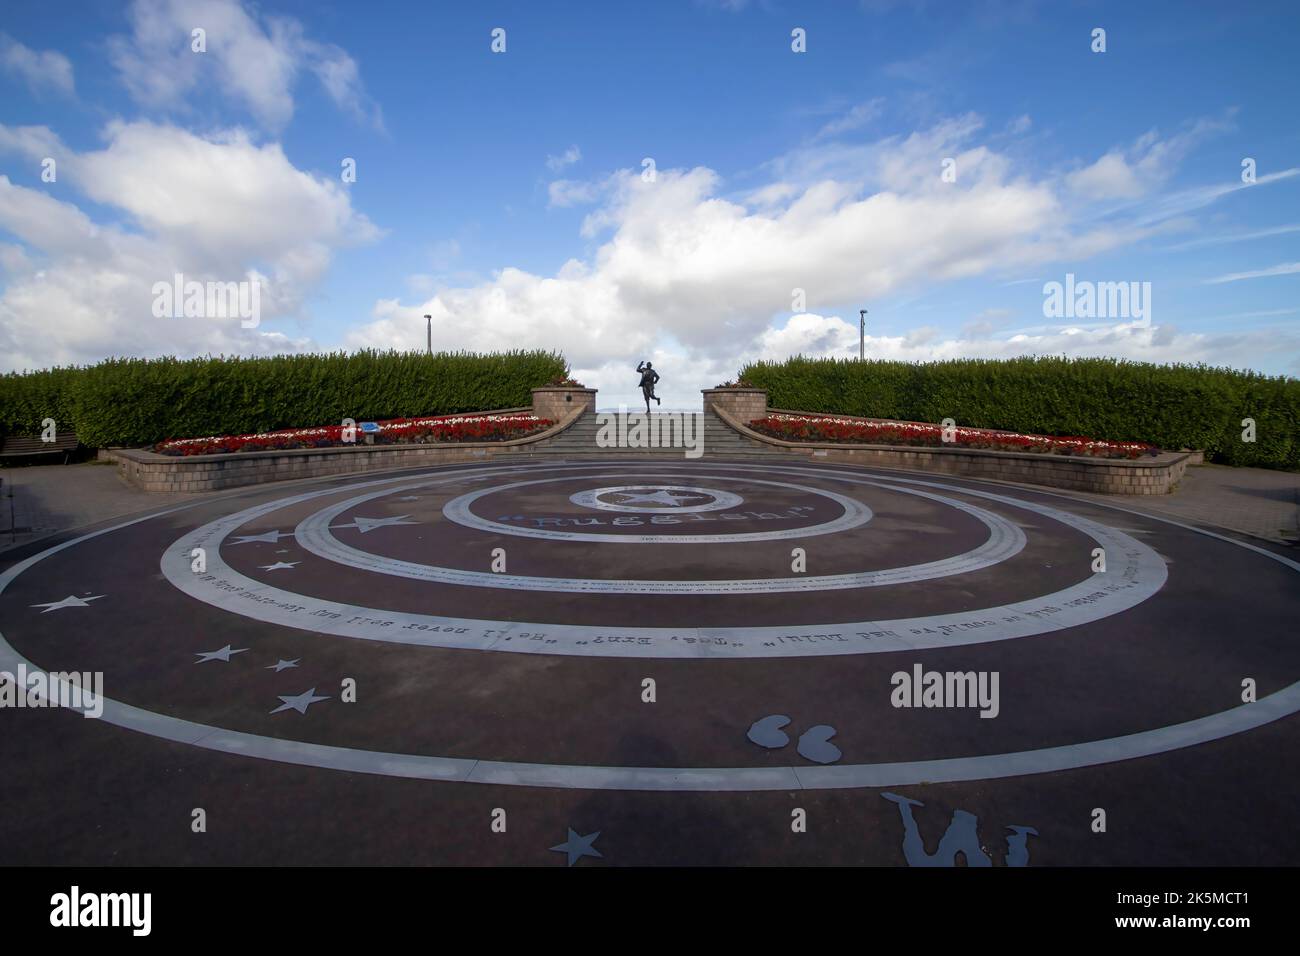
[1272,707]
[1135,573]
[1005,541]
[719,500]
[460,510]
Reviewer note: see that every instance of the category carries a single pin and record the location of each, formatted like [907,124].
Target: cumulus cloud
[253,59]
[41,70]
[680,264]
[831,337]
[220,208]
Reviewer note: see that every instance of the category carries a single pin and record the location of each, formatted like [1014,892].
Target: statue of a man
[648,378]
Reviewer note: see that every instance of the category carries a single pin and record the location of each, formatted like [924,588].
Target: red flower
[826,428]
[448,428]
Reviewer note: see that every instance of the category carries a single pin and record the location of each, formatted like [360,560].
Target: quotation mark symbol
[814,744]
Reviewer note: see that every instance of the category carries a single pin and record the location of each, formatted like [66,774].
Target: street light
[429,332]
[862,334]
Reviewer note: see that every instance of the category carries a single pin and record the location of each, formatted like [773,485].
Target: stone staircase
[719,440]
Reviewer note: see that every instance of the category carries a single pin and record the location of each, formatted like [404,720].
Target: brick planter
[150,471]
[1115,476]
[745,404]
[557,402]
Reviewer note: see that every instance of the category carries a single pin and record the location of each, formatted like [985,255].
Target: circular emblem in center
[653,498]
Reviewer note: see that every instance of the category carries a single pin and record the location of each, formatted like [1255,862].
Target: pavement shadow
[658,828]
[1291,495]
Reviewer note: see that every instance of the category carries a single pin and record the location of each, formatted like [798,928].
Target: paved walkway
[47,499]
[1254,501]
[41,500]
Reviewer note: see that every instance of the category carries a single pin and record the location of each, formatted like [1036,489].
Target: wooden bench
[15,446]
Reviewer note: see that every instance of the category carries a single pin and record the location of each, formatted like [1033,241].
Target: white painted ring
[314,533]
[1270,708]
[459,510]
[1135,573]
[721,500]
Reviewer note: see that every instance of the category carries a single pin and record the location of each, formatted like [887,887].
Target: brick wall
[556,403]
[1144,476]
[153,472]
[744,404]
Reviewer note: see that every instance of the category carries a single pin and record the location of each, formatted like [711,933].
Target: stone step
[716,438]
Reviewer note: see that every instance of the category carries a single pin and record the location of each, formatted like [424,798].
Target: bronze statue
[648,378]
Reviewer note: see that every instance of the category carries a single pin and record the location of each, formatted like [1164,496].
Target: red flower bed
[825,428]
[396,431]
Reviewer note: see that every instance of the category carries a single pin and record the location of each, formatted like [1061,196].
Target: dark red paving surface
[81,791]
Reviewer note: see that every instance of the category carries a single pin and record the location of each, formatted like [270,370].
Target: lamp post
[862,334]
[429,333]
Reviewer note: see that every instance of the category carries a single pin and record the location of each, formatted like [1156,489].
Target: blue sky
[505,193]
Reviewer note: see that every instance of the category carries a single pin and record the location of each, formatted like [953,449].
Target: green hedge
[1173,406]
[27,399]
[142,401]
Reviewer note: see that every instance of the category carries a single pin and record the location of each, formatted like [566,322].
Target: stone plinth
[743,404]
[556,402]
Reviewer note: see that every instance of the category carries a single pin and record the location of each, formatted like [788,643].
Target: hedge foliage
[1173,406]
[143,401]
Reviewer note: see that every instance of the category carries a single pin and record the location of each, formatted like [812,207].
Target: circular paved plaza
[701,661]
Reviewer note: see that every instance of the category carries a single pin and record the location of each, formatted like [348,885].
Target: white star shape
[279,565]
[370,524]
[662,497]
[221,655]
[576,846]
[271,537]
[69,601]
[283,665]
[299,703]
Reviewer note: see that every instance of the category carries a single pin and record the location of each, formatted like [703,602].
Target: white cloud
[704,278]
[221,208]
[1234,237]
[41,70]
[857,117]
[1149,163]
[567,158]
[985,324]
[829,336]
[1285,269]
[252,59]
[1020,125]
[1110,177]
[563,193]
[731,6]
[679,263]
